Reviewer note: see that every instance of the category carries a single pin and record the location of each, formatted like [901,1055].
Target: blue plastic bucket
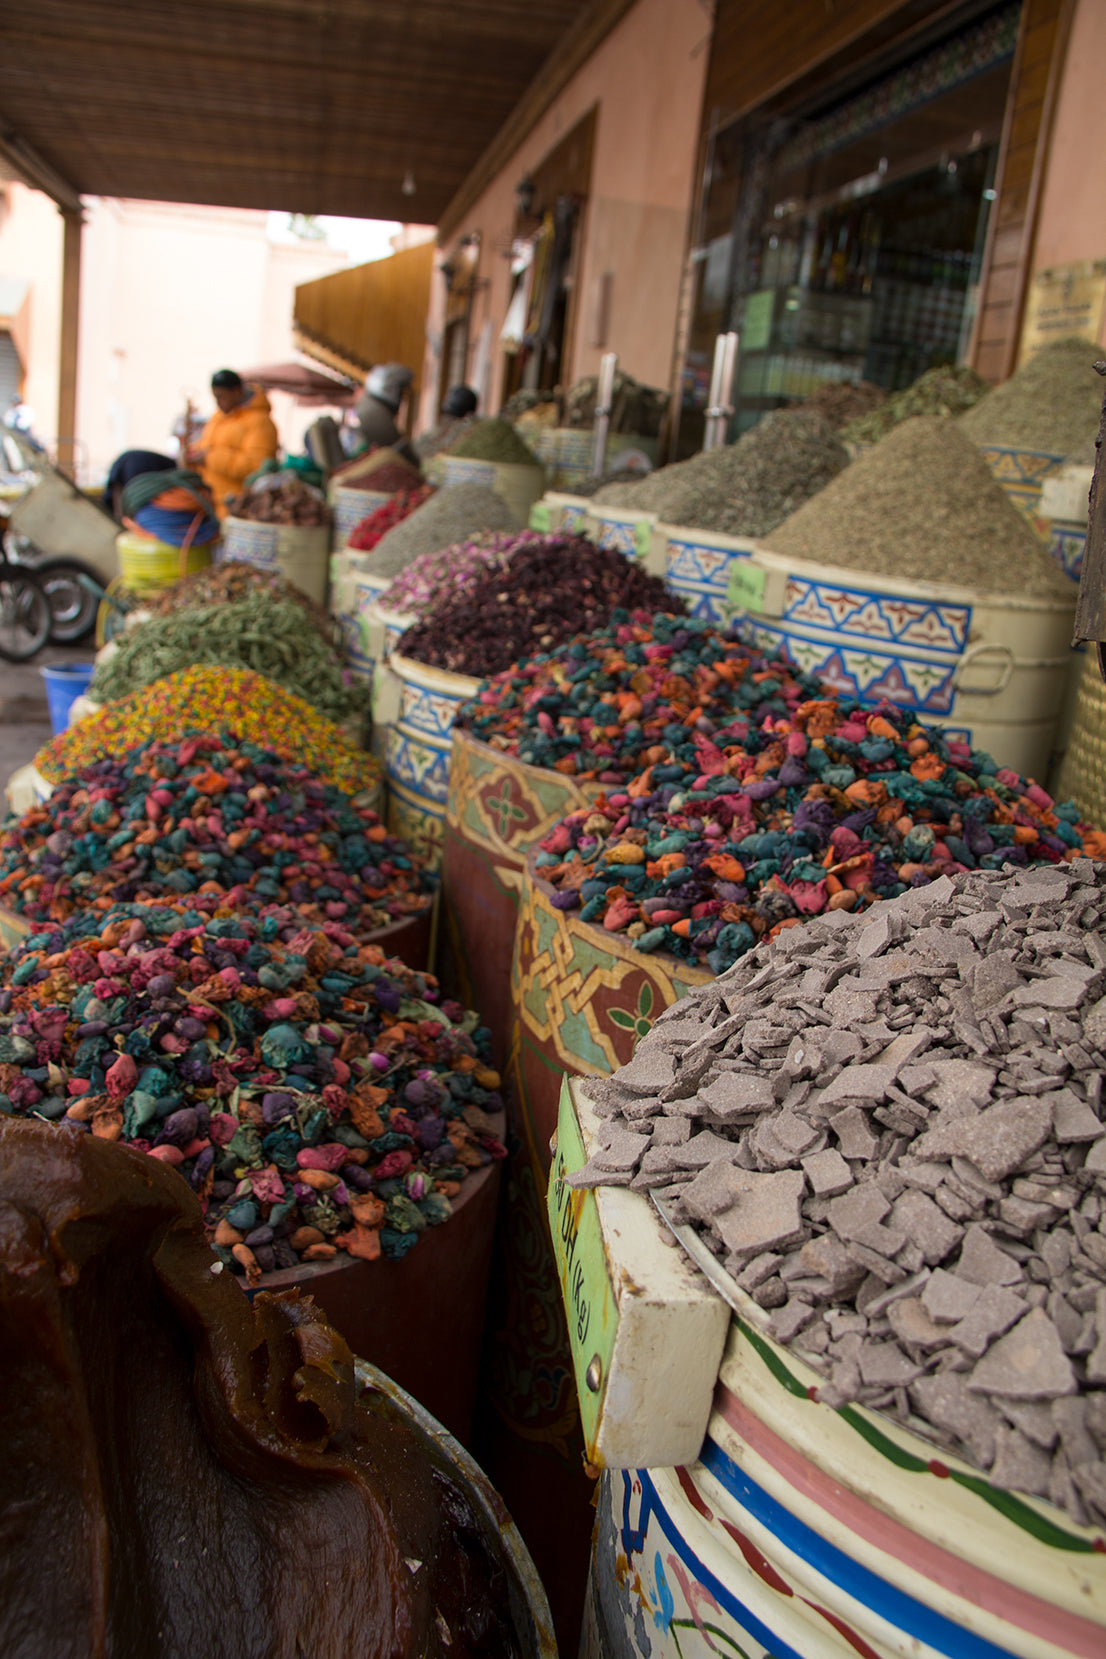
[64,684]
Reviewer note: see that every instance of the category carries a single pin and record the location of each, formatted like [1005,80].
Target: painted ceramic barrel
[990,669]
[420,1318]
[419,744]
[526,1600]
[807,1533]
[348,507]
[627,531]
[581,998]
[497,809]
[518,485]
[700,566]
[1021,472]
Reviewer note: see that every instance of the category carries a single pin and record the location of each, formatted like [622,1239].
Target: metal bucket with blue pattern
[802,1532]
[700,566]
[419,743]
[625,530]
[990,668]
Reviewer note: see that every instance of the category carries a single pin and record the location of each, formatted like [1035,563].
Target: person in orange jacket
[237,438]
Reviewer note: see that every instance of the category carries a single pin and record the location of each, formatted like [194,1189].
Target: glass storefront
[846,243]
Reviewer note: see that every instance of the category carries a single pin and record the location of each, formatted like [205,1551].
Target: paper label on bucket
[745,591]
[643,539]
[590,1305]
[541,517]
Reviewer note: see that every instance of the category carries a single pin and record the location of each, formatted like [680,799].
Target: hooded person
[378,406]
[458,413]
[239,436]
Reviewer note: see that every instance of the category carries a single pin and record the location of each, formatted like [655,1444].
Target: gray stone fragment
[876,1266]
[1032,1418]
[716,1188]
[994,978]
[1095,1161]
[948,1298]
[786,1323]
[1094,1020]
[990,1315]
[1019,1466]
[913,1326]
[671,1131]
[879,1304]
[1028,1363]
[874,938]
[997,1141]
[779,1141]
[827,1257]
[857,1215]
[622,1151]
[1073,1119]
[946,1402]
[854,1136]
[884,1365]
[960,1087]
[1070,1417]
[927,1225]
[760,1268]
[1062,991]
[984,1263]
[926,1177]
[766,1216]
[1096,1359]
[827,1172]
[650,1070]
[735,1093]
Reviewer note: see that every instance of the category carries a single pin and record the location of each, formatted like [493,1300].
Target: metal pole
[720,407]
[603,397]
[710,427]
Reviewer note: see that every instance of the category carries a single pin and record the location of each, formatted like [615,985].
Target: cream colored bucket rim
[791,564]
[440,680]
[708,538]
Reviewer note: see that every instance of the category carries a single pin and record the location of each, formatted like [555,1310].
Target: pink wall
[30,247]
[1072,223]
[647,81]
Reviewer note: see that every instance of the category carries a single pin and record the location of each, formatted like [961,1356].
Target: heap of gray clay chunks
[890,1130]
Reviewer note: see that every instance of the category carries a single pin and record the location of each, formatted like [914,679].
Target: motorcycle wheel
[24,615]
[73,606]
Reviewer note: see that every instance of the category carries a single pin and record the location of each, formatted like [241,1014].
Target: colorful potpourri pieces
[235,702]
[229,822]
[553,587]
[596,708]
[318,1096]
[735,825]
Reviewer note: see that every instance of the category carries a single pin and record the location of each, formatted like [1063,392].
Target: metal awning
[318,108]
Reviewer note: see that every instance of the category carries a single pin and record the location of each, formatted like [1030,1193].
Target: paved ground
[24,721]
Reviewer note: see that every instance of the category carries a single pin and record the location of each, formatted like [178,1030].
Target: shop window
[846,243]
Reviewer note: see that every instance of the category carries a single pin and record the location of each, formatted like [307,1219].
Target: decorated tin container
[989,668]
[625,530]
[707,569]
[1021,472]
[808,1533]
[566,513]
[419,744]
